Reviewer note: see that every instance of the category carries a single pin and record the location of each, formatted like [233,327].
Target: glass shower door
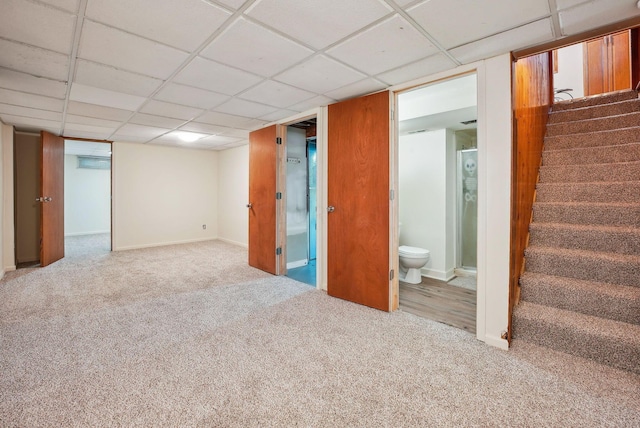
[467,208]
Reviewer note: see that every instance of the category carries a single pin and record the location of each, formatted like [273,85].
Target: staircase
[580,293]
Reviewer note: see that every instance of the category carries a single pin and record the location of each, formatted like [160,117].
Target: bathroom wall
[570,70]
[296,198]
[427,198]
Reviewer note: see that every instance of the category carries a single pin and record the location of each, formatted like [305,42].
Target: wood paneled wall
[533,96]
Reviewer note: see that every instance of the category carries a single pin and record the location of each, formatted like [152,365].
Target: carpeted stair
[580,292]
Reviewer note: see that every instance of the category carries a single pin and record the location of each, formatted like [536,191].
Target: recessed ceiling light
[188,137]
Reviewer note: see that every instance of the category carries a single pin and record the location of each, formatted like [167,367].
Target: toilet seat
[412,252]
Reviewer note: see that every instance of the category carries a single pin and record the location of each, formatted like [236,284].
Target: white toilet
[412,259]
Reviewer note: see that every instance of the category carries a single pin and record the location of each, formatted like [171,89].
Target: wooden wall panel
[533,96]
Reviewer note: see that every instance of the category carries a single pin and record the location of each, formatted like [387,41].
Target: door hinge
[278,251]
[392,194]
[391,275]
[278,140]
[278,195]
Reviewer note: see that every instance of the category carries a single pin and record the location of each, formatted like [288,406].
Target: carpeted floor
[189,335]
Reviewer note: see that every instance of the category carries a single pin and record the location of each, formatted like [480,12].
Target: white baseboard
[9,268]
[297,263]
[498,342]
[230,241]
[437,274]
[161,244]
[95,232]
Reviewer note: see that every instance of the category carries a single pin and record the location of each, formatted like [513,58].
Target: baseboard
[96,232]
[297,263]
[10,268]
[438,274]
[498,342]
[161,244]
[230,241]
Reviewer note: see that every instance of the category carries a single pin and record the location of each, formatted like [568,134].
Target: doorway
[437,199]
[301,201]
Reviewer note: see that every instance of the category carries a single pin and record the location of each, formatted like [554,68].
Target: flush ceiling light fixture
[188,137]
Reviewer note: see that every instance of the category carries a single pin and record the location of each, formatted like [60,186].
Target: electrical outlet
[204,226]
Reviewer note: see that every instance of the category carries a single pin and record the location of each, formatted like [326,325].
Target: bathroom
[438,194]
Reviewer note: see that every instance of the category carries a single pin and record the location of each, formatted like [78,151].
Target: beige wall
[163,195]
[233,195]
[27,161]
[7,252]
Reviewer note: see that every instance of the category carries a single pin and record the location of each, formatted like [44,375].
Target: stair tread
[587,107]
[593,148]
[604,165]
[590,204]
[584,254]
[586,324]
[626,292]
[584,121]
[594,100]
[585,227]
[598,132]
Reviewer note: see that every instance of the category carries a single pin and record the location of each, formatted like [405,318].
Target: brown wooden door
[608,64]
[52,185]
[358,190]
[263,205]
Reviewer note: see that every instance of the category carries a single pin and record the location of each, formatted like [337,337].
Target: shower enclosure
[467,207]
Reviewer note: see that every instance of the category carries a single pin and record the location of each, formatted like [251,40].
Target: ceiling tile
[278,115]
[37,24]
[316,22]
[216,77]
[106,77]
[479,20]
[93,110]
[527,35]
[253,48]
[363,87]
[32,60]
[31,100]
[141,131]
[232,145]
[240,107]
[152,120]
[276,94]
[204,128]
[240,133]
[34,85]
[232,121]
[79,130]
[103,97]
[388,45]
[183,24]
[190,96]
[320,74]
[596,13]
[319,101]
[122,50]
[422,68]
[217,140]
[91,121]
[123,138]
[68,5]
[160,108]
[29,112]
[235,4]
[565,4]
[31,123]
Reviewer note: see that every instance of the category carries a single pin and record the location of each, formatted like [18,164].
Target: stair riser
[594,125]
[592,101]
[604,138]
[619,242]
[588,302]
[605,350]
[594,112]
[589,173]
[592,155]
[600,215]
[599,269]
[589,192]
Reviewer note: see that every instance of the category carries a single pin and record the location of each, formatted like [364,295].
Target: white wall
[296,198]
[163,195]
[570,70]
[87,199]
[6,139]
[233,195]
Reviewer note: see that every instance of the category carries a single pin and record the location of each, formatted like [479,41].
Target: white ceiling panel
[217,140]
[92,121]
[216,77]
[250,109]
[190,96]
[232,145]
[278,115]
[363,87]
[31,100]
[93,110]
[123,138]
[203,128]
[527,35]
[29,112]
[473,20]
[320,74]
[387,45]
[152,120]
[77,133]
[103,97]
[31,123]
[183,24]
[565,4]
[596,13]
[125,51]
[319,101]
[222,119]
[17,81]
[235,4]
[32,60]
[97,132]
[106,77]
[240,133]
[176,111]
[424,67]
[68,5]
[253,48]
[37,24]
[141,131]
[318,23]
[276,94]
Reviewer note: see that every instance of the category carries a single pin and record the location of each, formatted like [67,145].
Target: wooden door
[52,199]
[264,153]
[620,60]
[607,65]
[358,190]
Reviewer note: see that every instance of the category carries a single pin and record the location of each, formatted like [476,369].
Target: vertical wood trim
[635,57]
[281,205]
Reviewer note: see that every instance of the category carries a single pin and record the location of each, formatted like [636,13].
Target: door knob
[44,199]
[249,205]
[331,209]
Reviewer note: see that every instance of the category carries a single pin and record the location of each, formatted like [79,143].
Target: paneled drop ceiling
[145,70]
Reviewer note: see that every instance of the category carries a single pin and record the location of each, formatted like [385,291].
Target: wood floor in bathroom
[439,301]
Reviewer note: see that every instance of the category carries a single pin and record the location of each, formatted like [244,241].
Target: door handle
[331,209]
[44,199]
[249,205]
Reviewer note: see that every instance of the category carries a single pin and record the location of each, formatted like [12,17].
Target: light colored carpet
[190,336]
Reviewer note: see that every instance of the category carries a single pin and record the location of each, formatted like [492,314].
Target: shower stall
[467,208]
